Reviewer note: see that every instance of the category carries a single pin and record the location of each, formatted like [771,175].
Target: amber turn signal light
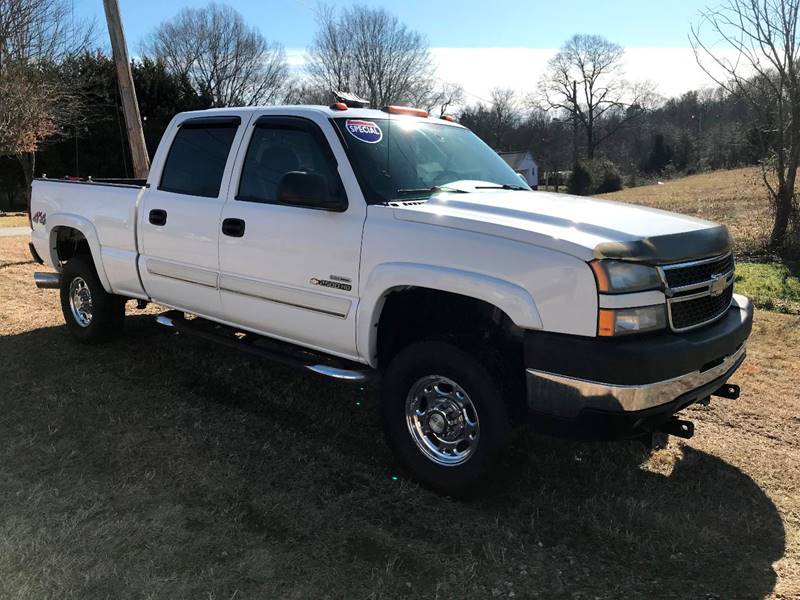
[606,322]
[405,110]
[600,275]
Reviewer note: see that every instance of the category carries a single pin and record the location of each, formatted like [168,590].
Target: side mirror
[300,188]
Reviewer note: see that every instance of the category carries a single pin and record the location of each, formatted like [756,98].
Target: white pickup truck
[359,243]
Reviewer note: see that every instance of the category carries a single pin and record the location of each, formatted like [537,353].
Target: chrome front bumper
[579,394]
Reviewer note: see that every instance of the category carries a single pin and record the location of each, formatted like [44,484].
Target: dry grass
[13,220]
[736,198]
[159,467]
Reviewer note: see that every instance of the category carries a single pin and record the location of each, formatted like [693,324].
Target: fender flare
[87,229]
[514,300]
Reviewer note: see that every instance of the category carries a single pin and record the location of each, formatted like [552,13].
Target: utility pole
[130,107]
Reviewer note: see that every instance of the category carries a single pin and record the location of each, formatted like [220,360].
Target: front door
[180,217]
[286,270]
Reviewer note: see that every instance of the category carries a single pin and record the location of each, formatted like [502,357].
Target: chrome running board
[263,347]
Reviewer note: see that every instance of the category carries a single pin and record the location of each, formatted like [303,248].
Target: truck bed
[106,211]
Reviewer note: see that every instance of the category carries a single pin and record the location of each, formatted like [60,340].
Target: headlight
[630,320]
[616,276]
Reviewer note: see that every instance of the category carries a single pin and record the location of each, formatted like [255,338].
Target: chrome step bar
[47,281]
[282,352]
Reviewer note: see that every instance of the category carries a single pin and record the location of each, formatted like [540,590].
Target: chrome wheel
[80,301]
[442,420]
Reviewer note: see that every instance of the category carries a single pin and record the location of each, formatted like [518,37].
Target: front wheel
[443,416]
[92,315]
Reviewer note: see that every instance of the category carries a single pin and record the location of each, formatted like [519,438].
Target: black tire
[107,310]
[435,358]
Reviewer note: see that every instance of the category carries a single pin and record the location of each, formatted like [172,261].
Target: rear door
[180,215]
[290,271]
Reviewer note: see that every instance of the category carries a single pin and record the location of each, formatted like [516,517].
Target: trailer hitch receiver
[727,390]
[678,427]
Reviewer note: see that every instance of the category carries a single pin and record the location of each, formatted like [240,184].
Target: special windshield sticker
[364,131]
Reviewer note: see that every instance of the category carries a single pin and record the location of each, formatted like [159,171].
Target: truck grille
[698,292]
[691,313]
[679,276]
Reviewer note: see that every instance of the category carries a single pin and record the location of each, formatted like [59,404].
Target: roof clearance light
[339,106]
[450,118]
[405,110]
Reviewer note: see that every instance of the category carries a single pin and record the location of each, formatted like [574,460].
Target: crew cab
[387,245]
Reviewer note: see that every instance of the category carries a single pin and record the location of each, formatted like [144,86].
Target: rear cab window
[196,160]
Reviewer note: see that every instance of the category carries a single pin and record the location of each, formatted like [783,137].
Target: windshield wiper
[432,190]
[505,186]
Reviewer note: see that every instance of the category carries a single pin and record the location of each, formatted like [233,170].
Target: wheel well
[69,242]
[413,314]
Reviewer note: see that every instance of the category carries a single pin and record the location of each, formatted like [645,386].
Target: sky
[478,43]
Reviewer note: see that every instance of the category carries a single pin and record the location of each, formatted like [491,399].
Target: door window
[196,161]
[279,146]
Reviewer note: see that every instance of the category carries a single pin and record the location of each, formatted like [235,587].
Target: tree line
[589,127]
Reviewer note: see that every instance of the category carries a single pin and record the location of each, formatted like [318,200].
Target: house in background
[524,164]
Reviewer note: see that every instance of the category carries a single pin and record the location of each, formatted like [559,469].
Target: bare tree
[369,52]
[302,91]
[764,73]
[36,37]
[496,122]
[224,58]
[548,138]
[445,98]
[585,80]
[505,114]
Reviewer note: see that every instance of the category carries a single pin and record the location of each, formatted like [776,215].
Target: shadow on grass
[159,466]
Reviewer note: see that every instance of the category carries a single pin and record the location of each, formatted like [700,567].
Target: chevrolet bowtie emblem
[718,284]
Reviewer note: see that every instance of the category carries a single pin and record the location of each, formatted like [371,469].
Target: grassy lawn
[773,286]
[160,467]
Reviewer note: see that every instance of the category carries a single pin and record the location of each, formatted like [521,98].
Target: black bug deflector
[666,249]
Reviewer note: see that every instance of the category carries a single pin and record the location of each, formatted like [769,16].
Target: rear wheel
[92,315]
[444,416]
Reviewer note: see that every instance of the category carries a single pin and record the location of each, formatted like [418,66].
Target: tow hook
[728,390]
[678,427]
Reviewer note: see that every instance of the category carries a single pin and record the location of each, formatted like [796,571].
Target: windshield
[399,159]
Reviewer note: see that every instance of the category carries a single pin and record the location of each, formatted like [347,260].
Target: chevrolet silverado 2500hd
[356,242]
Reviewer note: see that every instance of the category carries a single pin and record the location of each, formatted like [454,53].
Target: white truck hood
[584,227]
